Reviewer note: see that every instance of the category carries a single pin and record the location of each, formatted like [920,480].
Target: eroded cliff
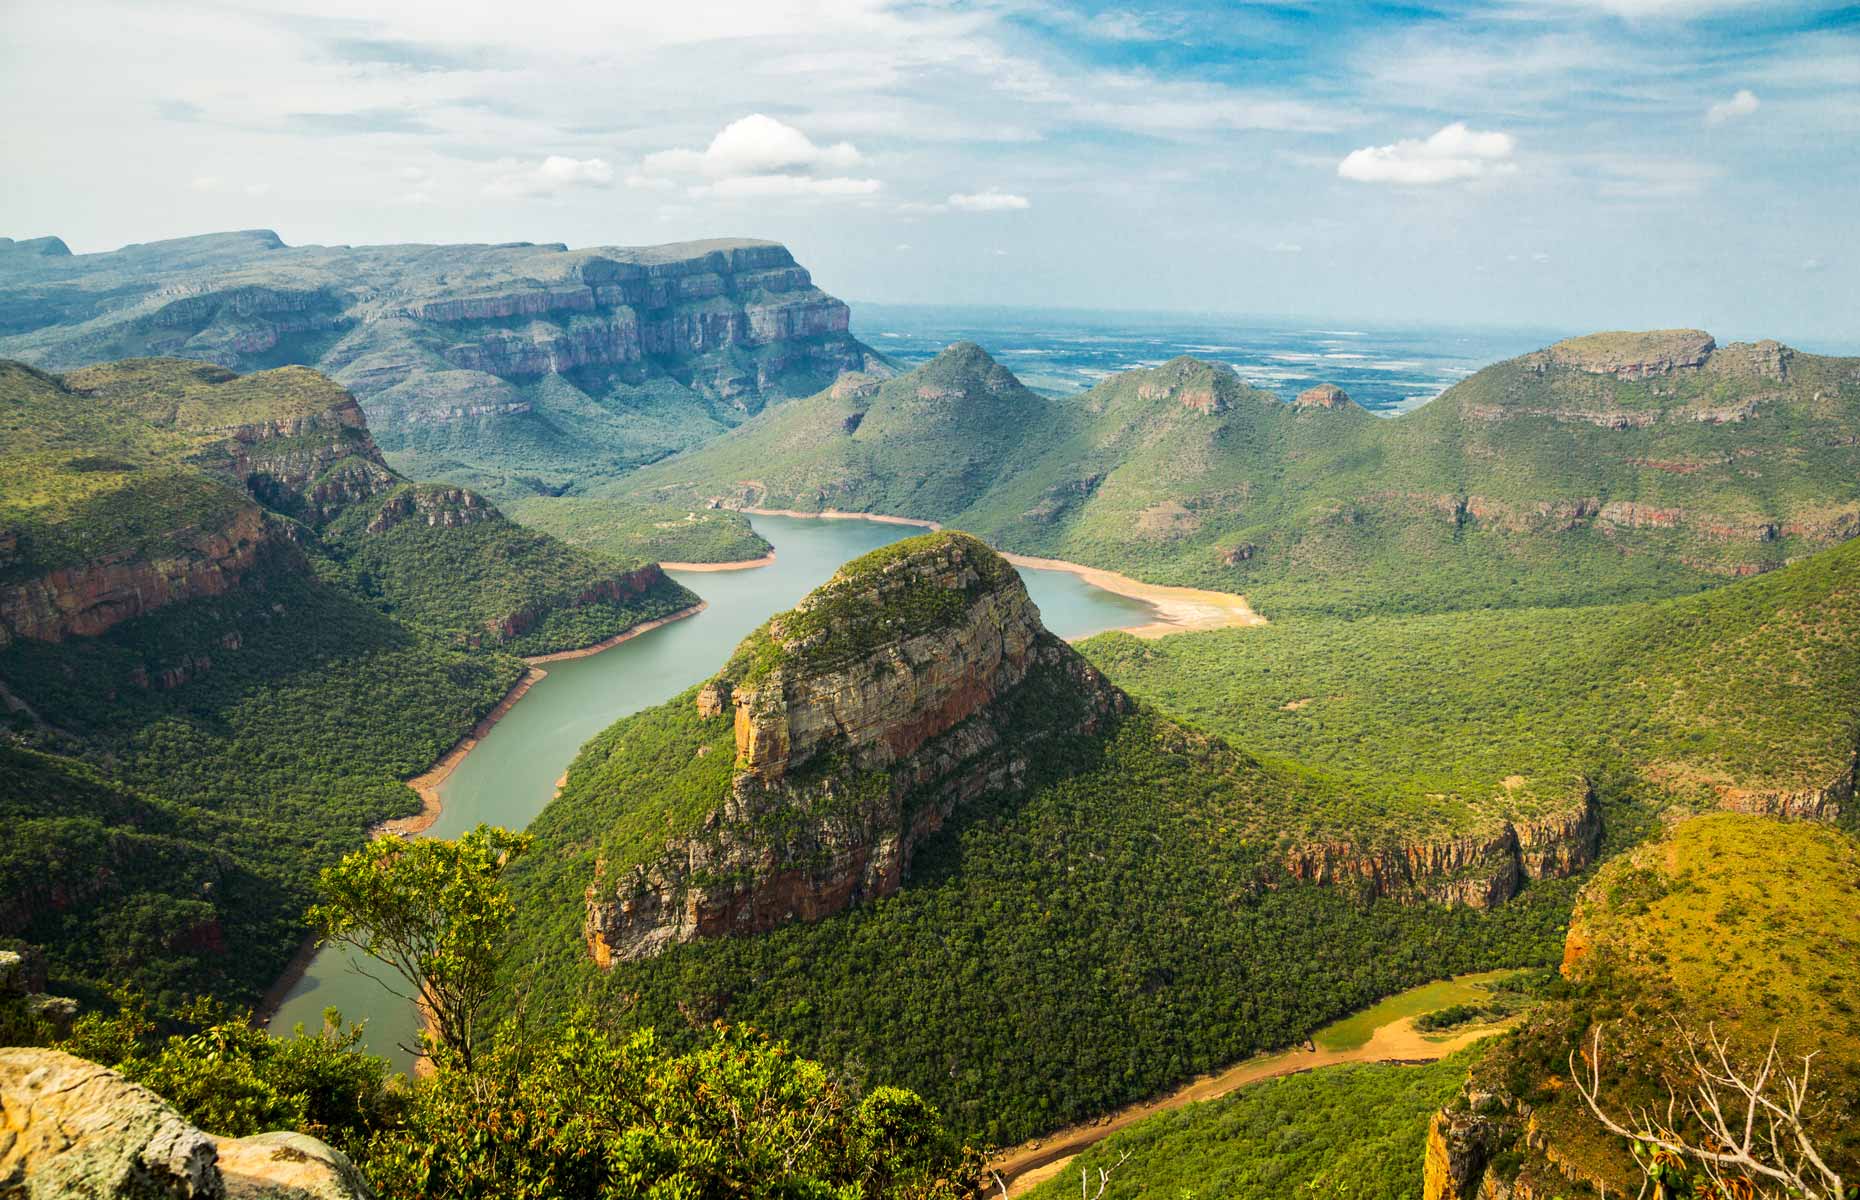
[911,684]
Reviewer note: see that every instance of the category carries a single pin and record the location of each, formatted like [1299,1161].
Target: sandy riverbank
[1177,608]
[741,564]
[1396,1042]
[426,785]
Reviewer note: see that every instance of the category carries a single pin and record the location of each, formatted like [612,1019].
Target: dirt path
[1398,1041]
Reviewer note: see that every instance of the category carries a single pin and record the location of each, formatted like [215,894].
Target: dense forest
[228,632]
[1120,891]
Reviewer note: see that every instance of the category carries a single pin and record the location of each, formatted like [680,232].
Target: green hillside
[1104,921]
[1745,694]
[1594,471]
[228,631]
[1729,922]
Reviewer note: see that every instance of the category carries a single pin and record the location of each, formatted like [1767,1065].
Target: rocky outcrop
[862,720]
[71,1128]
[1459,1144]
[93,597]
[1824,803]
[1477,870]
[433,505]
[1324,395]
[1628,355]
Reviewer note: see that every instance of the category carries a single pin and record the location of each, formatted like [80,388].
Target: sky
[1573,164]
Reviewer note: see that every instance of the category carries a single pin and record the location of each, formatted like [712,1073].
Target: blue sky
[1563,163]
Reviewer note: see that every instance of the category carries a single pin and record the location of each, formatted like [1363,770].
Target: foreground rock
[909,685]
[70,1128]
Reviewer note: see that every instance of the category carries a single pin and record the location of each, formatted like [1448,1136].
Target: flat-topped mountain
[1615,466]
[516,367]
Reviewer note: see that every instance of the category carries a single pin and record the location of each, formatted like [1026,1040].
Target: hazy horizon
[1573,164]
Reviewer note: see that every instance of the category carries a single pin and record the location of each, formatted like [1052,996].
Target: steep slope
[442,558]
[1730,923]
[910,830]
[923,444]
[518,368]
[195,643]
[1618,467]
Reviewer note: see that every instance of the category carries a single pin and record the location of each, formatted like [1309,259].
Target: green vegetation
[1431,1000]
[1732,922]
[435,913]
[1740,693]
[485,579]
[1120,891]
[654,533]
[213,802]
[578,1112]
[519,370]
[177,780]
[1356,1131]
[1533,483]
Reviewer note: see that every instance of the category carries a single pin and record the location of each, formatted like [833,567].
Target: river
[510,775]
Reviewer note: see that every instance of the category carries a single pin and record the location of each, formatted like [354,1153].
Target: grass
[1357,1029]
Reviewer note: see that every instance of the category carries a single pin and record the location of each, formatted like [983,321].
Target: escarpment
[494,357]
[1477,870]
[916,681]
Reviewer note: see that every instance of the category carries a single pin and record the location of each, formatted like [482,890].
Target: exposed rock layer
[845,761]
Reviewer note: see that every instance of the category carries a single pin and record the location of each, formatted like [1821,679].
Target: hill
[1616,467]
[228,631]
[1730,924]
[1742,697]
[912,832]
[518,369]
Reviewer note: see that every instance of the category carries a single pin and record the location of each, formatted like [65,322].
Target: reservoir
[510,775]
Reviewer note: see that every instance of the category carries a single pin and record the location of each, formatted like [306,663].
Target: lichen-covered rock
[70,1128]
[1458,1146]
[863,719]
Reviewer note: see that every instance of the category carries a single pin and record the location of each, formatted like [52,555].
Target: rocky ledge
[1477,870]
[72,1128]
[914,682]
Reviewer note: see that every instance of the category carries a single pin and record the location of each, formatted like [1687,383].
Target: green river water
[510,775]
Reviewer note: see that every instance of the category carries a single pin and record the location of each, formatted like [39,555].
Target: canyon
[478,356]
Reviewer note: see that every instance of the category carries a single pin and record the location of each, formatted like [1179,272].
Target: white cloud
[207,183]
[1453,154]
[755,145]
[1742,104]
[554,175]
[214,183]
[758,156]
[992,200]
[1540,257]
[1287,248]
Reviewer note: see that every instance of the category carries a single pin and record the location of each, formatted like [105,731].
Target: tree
[1752,1122]
[436,913]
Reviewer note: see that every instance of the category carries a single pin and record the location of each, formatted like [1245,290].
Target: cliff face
[1477,870]
[90,598]
[488,349]
[862,720]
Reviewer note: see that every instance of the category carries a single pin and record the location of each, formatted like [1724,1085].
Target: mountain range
[1610,467]
[517,369]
